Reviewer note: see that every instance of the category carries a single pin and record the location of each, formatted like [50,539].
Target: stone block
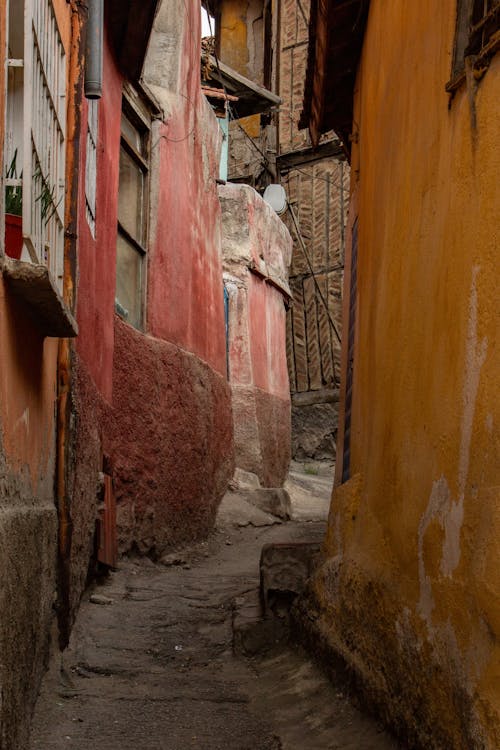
[274,500]
[284,572]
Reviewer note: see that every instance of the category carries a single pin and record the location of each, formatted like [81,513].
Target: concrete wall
[408,594]
[254,234]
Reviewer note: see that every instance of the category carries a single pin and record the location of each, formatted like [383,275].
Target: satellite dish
[275,196]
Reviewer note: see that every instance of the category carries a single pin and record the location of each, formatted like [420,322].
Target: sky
[205,28]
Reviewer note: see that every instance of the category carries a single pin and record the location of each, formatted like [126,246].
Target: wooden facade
[317,189]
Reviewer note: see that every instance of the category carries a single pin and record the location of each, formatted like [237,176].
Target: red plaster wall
[168,431]
[267,330]
[185,294]
[97,257]
[170,441]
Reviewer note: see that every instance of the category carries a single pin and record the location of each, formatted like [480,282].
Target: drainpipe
[93,52]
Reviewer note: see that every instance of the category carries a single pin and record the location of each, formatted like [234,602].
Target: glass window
[132,217]
[131,196]
[129,281]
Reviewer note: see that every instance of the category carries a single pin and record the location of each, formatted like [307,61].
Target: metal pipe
[93,53]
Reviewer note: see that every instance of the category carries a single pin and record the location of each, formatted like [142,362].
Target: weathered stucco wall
[169,440]
[28,522]
[28,519]
[97,254]
[155,404]
[409,591]
[253,235]
[185,296]
[93,349]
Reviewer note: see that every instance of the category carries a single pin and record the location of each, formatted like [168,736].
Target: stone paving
[151,662]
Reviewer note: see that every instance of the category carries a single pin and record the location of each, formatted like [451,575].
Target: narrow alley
[151,662]
[249,375]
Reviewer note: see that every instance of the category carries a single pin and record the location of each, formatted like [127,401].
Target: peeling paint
[23,421]
[474,359]
[442,507]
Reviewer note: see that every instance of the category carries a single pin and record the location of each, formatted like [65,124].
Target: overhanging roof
[336,31]
[252,98]
[129,25]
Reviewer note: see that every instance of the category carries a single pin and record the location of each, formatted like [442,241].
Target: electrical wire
[308,260]
[335,183]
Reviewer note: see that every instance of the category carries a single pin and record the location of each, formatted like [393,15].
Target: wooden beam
[328,150]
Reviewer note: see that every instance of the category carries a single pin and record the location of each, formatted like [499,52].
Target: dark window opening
[477,37]
[133,190]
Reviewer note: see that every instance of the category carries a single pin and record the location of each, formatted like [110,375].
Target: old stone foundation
[167,443]
[170,442]
[262,434]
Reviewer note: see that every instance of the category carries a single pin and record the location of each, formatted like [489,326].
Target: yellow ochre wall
[409,592]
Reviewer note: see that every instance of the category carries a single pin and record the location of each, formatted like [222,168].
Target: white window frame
[44,137]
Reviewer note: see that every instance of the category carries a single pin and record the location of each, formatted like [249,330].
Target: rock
[236,511]
[245,480]
[273,500]
[284,571]
[172,559]
[314,431]
[100,599]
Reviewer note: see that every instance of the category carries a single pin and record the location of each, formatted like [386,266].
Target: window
[36,129]
[477,37]
[91,164]
[132,212]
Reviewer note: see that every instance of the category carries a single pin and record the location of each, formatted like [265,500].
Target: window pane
[133,136]
[131,197]
[128,280]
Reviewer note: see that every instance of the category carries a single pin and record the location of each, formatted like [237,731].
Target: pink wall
[171,457]
[97,257]
[254,236]
[185,296]
[267,328]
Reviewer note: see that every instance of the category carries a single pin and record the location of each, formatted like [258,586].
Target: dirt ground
[151,662]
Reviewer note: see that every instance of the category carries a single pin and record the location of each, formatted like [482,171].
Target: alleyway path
[155,669]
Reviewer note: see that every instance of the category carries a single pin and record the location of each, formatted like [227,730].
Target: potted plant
[13,213]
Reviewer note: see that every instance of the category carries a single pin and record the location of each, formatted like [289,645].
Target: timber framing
[252,98]
[298,158]
[336,32]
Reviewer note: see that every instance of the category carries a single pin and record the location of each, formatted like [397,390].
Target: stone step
[260,619]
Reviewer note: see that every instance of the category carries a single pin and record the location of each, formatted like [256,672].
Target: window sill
[33,285]
[479,66]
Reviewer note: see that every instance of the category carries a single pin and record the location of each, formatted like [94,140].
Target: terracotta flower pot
[13,235]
